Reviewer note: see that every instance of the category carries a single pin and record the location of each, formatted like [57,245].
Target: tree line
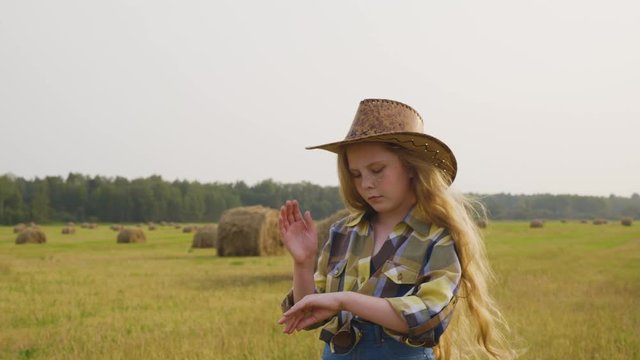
[82,198]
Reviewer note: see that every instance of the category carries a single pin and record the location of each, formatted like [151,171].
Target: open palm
[298,233]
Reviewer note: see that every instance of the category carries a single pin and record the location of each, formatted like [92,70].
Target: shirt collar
[361,220]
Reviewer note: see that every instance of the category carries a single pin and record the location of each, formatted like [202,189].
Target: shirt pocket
[335,275]
[400,274]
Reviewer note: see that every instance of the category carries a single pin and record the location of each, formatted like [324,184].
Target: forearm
[303,283]
[374,309]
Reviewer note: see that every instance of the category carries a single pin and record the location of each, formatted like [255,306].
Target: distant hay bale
[163,223]
[71,224]
[131,236]
[31,236]
[599,222]
[536,224]
[189,228]
[177,226]
[68,230]
[482,223]
[93,225]
[323,226]
[249,231]
[563,221]
[583,222]
[626,221]
[84,225]
[19,227]
[205,237]
[152,226]
[116,227]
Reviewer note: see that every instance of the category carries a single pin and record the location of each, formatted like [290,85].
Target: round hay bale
[116,227]
[187,229]
[152,226]
[626,221]
[71,224]
[19,227]
[177,226]
[93,225]
[323,226]
[583,222]
[163,223]
[536,224]
[599,222]
[205,237]
[31,236]
[131,236]
[84,225]
[249,231]
[563,221]
[67,230]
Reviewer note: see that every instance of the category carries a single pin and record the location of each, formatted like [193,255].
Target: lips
[373,198]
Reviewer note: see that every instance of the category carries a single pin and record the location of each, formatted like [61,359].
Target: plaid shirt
[416,270]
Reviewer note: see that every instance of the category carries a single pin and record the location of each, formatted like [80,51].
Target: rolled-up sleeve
[427,308]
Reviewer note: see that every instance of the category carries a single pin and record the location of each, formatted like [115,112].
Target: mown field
[570,291]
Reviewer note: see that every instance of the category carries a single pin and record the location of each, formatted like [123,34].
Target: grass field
[571,291]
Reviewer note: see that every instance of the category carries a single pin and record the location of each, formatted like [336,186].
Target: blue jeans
[375,344]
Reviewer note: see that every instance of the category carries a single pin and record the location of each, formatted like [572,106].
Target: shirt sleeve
[319,279]
[428,306]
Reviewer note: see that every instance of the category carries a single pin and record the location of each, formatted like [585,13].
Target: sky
[531,96]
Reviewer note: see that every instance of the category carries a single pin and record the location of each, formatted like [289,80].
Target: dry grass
[569,291]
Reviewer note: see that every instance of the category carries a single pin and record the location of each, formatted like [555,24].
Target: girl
[388,278]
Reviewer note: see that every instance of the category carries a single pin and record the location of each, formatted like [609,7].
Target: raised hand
[298,233]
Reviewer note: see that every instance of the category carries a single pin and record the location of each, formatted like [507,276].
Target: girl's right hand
[298,233]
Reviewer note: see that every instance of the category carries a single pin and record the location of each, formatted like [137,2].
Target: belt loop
[378,332]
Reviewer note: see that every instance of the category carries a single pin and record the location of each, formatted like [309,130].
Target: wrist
[306,266]
[343,300]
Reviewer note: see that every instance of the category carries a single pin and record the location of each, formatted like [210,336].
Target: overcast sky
[532,96]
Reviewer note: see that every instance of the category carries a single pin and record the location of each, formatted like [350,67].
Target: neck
[392,218]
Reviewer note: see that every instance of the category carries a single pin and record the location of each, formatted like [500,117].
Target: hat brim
[434,150]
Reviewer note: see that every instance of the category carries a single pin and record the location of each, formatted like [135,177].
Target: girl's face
[380,178]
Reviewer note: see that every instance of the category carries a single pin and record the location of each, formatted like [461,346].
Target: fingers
[309,220]
[296,322]
[296,211]
[290,323]
[289,211]
[282,219]
[303,323]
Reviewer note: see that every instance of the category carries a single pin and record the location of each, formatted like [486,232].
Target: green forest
[82,198]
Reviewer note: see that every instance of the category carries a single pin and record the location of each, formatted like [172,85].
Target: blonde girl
[405,276]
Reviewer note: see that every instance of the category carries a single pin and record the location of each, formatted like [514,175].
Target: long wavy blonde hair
[477,329]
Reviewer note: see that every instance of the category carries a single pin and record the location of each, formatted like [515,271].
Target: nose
[367,181]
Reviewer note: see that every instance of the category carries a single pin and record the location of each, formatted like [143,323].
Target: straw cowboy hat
[394,122]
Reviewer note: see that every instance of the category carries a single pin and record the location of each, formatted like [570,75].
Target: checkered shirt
[417,271]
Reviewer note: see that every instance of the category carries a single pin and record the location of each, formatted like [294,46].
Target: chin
[378,207]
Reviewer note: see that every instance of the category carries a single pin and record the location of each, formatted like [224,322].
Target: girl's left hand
[310,310]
